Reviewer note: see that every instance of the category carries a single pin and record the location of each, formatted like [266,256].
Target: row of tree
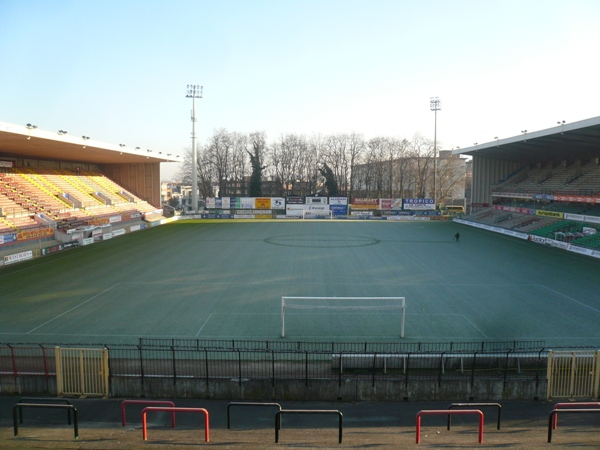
[233,164]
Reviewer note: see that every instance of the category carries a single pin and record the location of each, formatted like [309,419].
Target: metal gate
[573,374]
[81,371]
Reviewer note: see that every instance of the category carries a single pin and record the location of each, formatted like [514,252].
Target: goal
[311,214]
[358,304]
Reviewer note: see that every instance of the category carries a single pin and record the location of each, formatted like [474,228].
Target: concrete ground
[524,425]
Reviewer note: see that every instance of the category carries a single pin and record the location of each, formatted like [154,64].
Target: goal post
[345,303]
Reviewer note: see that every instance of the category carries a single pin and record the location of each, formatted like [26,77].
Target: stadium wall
[350,389]
[143,180]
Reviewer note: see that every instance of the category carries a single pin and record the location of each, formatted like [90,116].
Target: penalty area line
[72,309]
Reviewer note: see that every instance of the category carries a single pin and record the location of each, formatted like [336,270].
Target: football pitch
[225,280]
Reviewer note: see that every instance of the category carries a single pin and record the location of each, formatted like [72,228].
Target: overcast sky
[117,71]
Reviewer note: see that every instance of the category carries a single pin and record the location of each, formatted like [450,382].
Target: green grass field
[225,280]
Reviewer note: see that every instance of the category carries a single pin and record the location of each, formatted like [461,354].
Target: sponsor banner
[6,238]
[544,213]
[294,210]
[419,203]
[316,200]
[107,236]
[365,203]
[99,221]
[338,200]
[210,203]
[577,198]
[582,218]
[243,216]
[339,210]
[226,202]
[277,203]
[263,216]
[114,219]
[294,200]
[136,215]
[396,204]
[119,232]
[262,203]
[134,228]
[581,250]
[70,244]
[87,241]
[34,234]
[385,203]
[246,203]
[511,194]
[50,250]
[514,209]
[17,257]
[494,229]
[6,164]
[543,196]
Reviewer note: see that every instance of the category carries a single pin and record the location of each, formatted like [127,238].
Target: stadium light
[434,105]
[30,127]
[194,91]
[85,138]
[61,132]
[524,134]
[562,124]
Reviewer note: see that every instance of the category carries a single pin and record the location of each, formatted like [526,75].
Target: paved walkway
[365,425]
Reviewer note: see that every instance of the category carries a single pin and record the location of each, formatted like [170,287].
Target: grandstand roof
[577,140]
[23,142]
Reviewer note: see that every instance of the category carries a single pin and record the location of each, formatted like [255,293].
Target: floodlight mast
[434,105]
[194,91]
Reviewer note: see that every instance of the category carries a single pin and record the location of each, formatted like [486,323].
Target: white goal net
[356,304]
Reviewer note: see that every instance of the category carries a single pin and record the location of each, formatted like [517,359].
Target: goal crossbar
[344,303]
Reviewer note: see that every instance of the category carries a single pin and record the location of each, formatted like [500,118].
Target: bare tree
[284,157]
[421,152]
[220,154]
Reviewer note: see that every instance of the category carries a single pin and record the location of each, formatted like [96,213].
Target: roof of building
[29,141]
[577,140]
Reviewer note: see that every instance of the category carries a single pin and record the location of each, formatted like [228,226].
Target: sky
[117,70]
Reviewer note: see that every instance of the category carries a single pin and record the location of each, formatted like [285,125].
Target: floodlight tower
[434,105]
[194,91]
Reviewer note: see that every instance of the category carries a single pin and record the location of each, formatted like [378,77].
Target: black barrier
[565,411]
[497,405]
[19,406]
[307,411]
[277,405]
[41,400]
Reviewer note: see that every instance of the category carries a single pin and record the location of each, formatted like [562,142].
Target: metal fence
[279,361]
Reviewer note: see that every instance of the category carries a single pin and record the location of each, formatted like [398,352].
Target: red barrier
[146,402]
[447,412]
[572,405]
[174,410]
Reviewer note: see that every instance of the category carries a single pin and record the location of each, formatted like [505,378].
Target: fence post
[239,368]
[141,366]
[273,367]
[174,365]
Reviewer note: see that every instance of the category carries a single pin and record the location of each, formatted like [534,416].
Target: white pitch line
[473,325]
[572,299]
[73,308]
[205,322]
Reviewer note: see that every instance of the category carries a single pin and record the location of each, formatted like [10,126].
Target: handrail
[498,405]
[19,406]
[555,412]
[146,402]
[449,411]
[40,400]
[277,405]
[174,410]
